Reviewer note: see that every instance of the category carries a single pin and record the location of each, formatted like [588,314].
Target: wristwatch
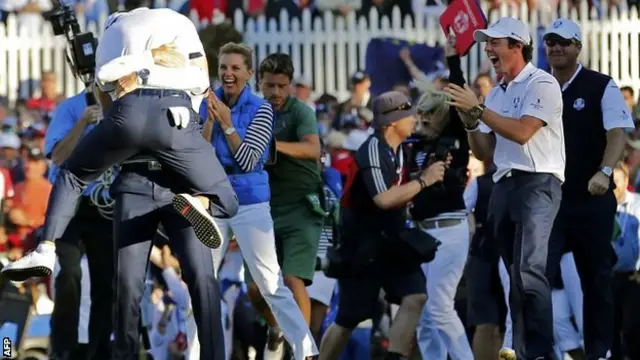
[476,111]
[606,170]
[229,131]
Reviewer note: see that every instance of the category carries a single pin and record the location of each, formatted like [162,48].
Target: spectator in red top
[49,99]
[31,198]
[205,8]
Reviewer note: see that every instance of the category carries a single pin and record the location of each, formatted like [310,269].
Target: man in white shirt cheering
[522,127]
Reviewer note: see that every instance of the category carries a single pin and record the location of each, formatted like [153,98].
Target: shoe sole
[25,274]
[206,229]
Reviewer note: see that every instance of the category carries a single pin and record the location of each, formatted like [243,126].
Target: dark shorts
[358,296]
[485,295]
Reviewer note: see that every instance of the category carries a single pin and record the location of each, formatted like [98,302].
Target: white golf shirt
[536,93]
[127,41]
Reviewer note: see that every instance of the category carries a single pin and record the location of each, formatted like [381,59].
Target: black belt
[150,165]
[163,93]
[514,173]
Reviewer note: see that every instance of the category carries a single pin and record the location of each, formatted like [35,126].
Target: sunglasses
[405,106]
[562,42]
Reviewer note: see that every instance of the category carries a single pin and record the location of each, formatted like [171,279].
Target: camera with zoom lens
[422,150]
[81,53]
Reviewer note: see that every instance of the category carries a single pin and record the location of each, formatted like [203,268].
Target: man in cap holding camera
[595,118]
[520,123]
[373,217]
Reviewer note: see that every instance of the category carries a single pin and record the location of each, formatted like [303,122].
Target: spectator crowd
[342,126]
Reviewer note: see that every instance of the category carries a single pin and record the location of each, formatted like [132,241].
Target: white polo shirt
[126,43]
[536,93]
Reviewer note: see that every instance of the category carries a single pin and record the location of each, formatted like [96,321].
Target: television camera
[81,50]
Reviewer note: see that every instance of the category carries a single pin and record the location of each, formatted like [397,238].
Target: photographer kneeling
[376,250]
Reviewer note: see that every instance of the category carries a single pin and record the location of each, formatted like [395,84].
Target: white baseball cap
[565,28]
[506,27]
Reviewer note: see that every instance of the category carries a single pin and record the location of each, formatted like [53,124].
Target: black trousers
[626,319]
[138,122]
[585,227]
[141,205]
[92,234]
[522,209]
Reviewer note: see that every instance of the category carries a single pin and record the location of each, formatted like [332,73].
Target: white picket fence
[332,48]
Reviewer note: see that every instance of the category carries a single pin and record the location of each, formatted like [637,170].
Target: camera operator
[369,255]
[440,211]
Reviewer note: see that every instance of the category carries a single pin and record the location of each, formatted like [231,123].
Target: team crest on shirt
[516,102]
[578,104]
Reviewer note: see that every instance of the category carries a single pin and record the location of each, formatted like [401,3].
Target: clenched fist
[91,115]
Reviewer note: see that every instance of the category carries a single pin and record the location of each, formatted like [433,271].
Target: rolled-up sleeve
[61,124]
[256,140]
[543,100]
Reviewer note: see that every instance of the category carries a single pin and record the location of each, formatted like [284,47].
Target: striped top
[326,236]
[256,139]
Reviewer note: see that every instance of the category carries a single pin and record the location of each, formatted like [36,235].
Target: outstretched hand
[463,99]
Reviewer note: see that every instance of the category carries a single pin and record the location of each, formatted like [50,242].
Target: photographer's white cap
[506,27]
[565,28]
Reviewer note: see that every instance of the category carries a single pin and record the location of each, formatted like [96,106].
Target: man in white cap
[520,124]
[595,118]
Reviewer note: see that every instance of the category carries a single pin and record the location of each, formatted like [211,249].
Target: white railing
[329,49]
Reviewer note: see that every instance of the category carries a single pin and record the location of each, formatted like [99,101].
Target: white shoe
[37,263]
[203,224]
[274,348]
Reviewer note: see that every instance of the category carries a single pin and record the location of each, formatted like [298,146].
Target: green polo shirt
[292,179]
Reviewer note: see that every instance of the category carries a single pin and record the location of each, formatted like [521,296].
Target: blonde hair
[241,49]
[433,101]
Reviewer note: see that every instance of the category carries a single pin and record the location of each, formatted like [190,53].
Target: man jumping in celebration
[156,122]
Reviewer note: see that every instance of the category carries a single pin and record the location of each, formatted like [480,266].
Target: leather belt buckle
[154,165]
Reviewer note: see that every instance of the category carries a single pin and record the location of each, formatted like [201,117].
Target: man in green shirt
[296,185]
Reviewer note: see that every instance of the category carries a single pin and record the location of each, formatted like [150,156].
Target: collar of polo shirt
[522,75]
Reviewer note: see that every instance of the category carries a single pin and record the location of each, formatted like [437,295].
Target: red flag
[463,17]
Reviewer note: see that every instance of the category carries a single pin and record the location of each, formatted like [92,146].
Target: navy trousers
[585,227]
[91,234]
[139,122]
[522,210]
[143,201]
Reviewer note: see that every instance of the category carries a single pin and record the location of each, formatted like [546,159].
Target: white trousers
[567,303]
[440,331]
[253,229]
